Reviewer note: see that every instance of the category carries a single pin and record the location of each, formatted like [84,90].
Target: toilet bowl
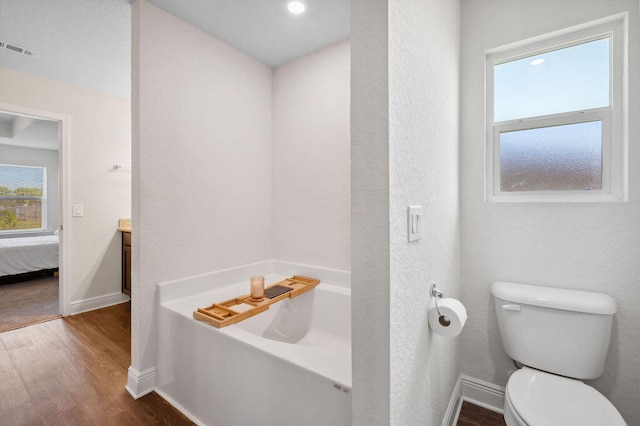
[537,398]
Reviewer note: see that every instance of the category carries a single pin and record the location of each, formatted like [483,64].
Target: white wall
[370,248]
[42,158]
[593,246]
[202,161]
[404,152]
[99,137]
[311,162]
[174,65]
[424,40]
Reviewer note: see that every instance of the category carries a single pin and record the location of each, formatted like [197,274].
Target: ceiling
[265,29]
[82,42]
[28,132]
[88,42]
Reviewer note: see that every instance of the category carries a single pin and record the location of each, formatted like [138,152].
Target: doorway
[34,213]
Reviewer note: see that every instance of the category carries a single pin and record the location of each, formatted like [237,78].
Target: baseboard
[484,394]
[140,383]
[93,303]
[475,391]
[455,403]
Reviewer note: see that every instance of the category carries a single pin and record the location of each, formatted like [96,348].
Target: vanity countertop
[124,225]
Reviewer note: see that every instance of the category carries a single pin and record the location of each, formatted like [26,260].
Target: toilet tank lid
[556,298]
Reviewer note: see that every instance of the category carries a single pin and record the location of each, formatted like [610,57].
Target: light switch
[414,223]
[78,210]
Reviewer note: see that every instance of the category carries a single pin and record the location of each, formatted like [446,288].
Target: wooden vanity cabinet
[126,263]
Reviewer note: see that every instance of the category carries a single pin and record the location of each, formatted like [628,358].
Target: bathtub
[290,365]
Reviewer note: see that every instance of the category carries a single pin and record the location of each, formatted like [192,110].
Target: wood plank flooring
[28,302]
[473,415]
[72,371]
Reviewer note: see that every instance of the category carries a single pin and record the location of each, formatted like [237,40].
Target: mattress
[28,254]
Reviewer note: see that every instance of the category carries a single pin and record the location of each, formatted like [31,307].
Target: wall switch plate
[78,210]
[414,223]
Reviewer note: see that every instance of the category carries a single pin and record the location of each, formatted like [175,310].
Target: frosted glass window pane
[570,79]
[558,158]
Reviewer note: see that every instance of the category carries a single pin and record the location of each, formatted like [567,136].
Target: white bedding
[28,254]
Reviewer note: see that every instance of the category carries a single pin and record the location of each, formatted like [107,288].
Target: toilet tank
[561,331]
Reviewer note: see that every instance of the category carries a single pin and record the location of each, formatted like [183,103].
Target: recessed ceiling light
[296,7]
[537,61]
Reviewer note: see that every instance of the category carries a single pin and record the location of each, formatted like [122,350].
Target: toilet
[560,337]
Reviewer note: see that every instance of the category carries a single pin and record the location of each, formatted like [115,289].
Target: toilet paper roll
[454,310]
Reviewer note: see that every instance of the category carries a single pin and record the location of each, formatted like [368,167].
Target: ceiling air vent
[16,49]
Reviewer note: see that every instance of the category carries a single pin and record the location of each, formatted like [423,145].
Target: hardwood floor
[28,302]
[472,415]
[72,371]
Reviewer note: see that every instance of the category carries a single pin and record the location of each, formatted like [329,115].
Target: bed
[28,254]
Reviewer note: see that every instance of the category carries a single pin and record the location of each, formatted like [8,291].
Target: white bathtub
[237,376]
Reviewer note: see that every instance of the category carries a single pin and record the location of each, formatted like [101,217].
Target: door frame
[64,181]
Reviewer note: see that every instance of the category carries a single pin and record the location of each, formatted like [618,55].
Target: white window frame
[614,117]
[43,203]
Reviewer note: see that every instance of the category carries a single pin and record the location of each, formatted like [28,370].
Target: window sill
[24,233]
[555,197]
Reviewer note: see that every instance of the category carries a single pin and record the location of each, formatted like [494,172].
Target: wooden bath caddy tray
[222,314]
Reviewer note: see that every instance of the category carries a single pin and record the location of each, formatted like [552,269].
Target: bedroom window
[556,114]
[23,192]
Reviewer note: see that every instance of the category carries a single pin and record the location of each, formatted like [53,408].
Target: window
[22,198]
[556,116]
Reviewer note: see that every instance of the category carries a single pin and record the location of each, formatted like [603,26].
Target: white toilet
[560,337]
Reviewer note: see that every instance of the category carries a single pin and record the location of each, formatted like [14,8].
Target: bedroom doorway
[33,198]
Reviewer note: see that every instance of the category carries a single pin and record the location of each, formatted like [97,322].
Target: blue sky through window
[570,79]
[15,177]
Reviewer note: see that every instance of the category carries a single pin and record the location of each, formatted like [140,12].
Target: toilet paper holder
[442,319]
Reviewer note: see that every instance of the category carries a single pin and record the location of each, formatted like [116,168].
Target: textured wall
[423,170]
[593,246]
[311,162]
[404,150]
[370,250]
[202,147]
[99,137]
[42,158]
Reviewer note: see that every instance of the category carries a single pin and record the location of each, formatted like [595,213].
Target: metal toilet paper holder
[442,319]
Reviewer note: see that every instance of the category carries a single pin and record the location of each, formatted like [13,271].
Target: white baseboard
[483,393]
[93,303]
[475,391]
[455,403]
[140,383]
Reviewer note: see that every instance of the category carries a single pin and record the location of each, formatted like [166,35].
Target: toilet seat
[537,398]
[511,417]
